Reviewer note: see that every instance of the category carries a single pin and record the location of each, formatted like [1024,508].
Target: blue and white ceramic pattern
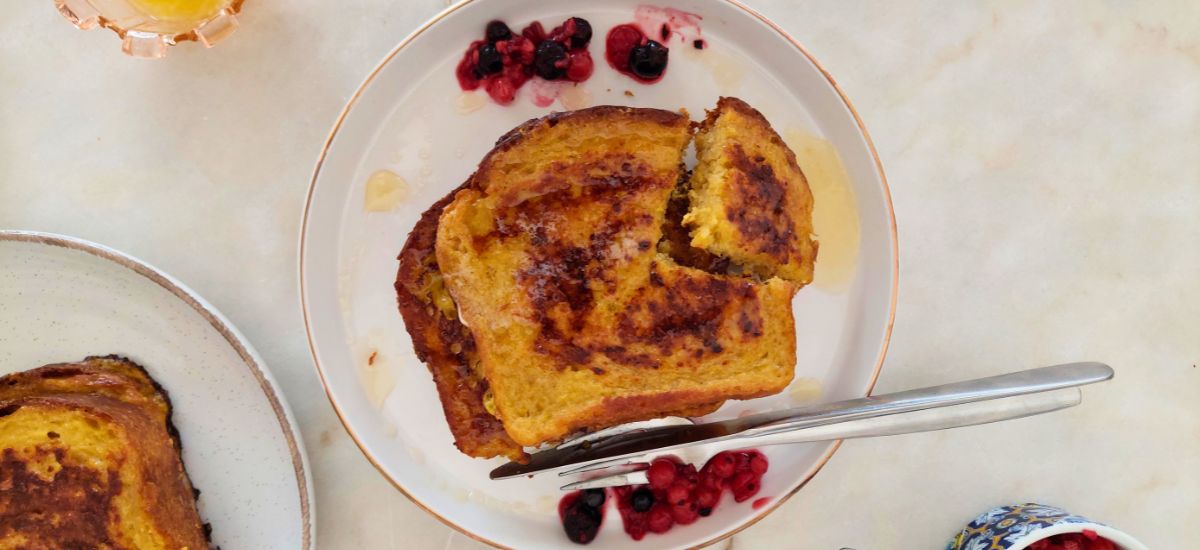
[1016,527]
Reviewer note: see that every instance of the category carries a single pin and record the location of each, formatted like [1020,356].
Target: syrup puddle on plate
[384,192]
[469,102]
[835,212]
[377,379]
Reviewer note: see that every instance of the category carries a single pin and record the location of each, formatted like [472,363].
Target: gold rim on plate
[219,323]
[304,291]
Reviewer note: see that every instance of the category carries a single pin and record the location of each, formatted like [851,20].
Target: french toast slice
[447,348]
[750,202]
[551,254]
[89,459]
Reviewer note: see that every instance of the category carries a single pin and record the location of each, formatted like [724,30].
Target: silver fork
[613,458]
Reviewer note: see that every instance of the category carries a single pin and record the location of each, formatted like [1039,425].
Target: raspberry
[706,498]
[721,465]
[516,75]
[534,32]
[678,494]
[1087,540]
[580,67]
[744,486]
[520,50]
[758,464]
[709,481]
[659,519]
[685,514]
[501,90]
[620,43]
[661,474]
[689,474]
[741,462]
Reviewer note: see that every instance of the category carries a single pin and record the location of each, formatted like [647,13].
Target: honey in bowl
[184,12]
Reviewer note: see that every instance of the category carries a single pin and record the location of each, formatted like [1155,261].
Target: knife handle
[1026,382]
[926,420]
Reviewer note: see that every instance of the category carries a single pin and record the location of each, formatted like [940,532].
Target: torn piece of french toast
[750,202]
[551,254]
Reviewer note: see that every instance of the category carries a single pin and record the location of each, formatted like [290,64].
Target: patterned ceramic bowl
[1016,527]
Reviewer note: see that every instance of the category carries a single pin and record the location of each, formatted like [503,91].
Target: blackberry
[641,500]
[549,60]
[648,60]
[583,32]
[581,523]
[593,498]
[490,61]
[497,31]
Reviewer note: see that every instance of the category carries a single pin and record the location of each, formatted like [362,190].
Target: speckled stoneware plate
[63,299]
[409,117]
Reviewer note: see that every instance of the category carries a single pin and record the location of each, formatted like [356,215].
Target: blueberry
[581,523]
[583,32]
[648,60]
[593,498]
[490,61]
[546,60]
[496,31]
[641,500]
[705,512]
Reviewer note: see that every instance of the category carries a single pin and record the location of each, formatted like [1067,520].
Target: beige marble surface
[1044,159]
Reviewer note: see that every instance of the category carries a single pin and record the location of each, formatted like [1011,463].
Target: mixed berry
[582,512]
[504,61]
[675,494]
[1087,540]
[631,52]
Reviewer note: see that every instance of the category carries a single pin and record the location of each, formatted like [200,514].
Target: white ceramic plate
[63,299]
[407,117]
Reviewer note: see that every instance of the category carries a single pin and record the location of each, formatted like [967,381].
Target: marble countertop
[1043,160]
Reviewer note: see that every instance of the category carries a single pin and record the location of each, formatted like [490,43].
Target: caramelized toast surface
[89,459]
[749,200]
[551,253]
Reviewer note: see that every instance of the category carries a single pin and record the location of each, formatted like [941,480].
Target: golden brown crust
[601,114]
[753,204]
[49,498]
[446,346]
